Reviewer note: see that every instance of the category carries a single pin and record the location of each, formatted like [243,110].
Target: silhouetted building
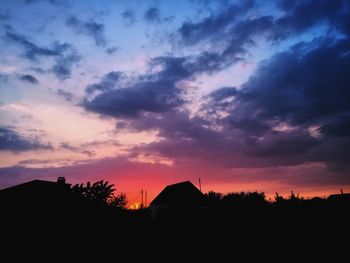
[36,195]
[178,197]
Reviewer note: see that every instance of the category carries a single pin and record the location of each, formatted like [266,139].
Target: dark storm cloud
[150,96]
[152,15]
[12,141]
[91,28]
[283,144]
[153,92]
[195,141]
[29,78]
[302,86]
[339,127]
[64,54]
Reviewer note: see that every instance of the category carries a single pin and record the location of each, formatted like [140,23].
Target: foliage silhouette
[100,192]
[120,200]
[245,199]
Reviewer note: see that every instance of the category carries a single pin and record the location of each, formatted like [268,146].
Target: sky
[246,95]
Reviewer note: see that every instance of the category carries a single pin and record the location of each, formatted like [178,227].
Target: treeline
[255,199]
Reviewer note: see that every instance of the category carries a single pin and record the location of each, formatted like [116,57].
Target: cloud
[91,29]
[213,25]
[290,112]
[5,16]
[53,2]
[152,15]
[66,95]
[227,47]
[32,51]
[129,16]
[156,91]
[29,78]
[65,55]
[232,30]
[339,127]
[4,77]
[302,15]
[111,50]
[268,121]
[302,86]
[153,92]
[12,141]
[68,57]
[223,93]
[69,147]
[108,82]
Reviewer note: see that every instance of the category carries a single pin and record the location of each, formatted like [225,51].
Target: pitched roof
[35,189]
[183,194]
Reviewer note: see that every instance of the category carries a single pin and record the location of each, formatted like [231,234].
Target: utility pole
[200,185]
[142,199]
[146,199]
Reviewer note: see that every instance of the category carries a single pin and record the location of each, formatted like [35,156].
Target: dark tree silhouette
[245,198]
[99,192]
[120,200]
[213,198]
[279,199]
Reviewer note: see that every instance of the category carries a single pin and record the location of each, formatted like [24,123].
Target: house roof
[34,183]
[182,194]
[34,190]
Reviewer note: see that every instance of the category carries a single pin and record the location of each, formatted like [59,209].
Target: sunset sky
[247,95]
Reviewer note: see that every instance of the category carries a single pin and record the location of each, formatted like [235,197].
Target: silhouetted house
[36,197]
[178,197]
[42,208]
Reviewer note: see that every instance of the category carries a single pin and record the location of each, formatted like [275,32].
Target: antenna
[200,185]
[146,199]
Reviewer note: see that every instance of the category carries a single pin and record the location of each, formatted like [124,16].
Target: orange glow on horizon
[134,206]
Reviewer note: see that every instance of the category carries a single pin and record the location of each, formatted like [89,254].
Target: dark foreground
[312,230]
